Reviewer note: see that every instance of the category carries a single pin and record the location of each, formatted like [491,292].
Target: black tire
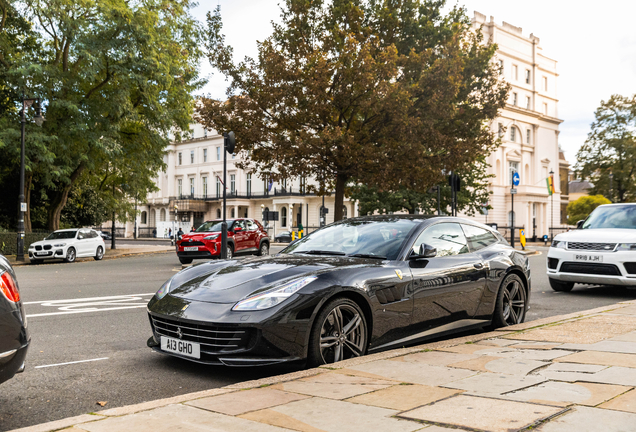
[99,254]
[511,304]
[185,260]
[561,286]
[230,251]
[327,329]
[264,249]
[70,255]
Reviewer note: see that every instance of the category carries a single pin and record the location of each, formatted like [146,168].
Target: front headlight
[626,247]
[211,237]
[165,289]
[559,244]
[274,296]
[59,245]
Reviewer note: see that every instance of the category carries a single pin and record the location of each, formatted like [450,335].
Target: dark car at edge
[356,286]
[14,337]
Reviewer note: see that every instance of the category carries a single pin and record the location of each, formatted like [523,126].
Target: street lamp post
[26,103]
[611,177]
[552,205]
[229,142]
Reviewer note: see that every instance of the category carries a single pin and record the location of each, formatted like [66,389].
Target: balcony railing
[247,195]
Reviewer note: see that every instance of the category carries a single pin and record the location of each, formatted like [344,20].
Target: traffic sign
[516,179]
[513,191]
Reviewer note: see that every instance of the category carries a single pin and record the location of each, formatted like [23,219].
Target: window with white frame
[218,187]
[514,99]
[513,167]
[527,76]
[205,133]
[180,187]
[513,134]
[527,102]
[545,83]
[205,155]
[283,217]
[249,184]
[218,153]
[191,185]
[191,156]
[204,181]
[180,158]
[527,136]
[500,130]
[515,71]
[232,183]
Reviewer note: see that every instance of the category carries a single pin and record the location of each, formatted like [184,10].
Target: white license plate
[191,248]
[41,253]
[588,258]
[184,348]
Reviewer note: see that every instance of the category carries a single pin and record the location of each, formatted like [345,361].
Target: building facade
[529,130]
[191,191]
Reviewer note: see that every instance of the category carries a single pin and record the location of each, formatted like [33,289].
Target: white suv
[68,245]
[602,251]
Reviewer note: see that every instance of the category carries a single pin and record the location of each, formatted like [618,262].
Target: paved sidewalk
[575,372]
[128,250]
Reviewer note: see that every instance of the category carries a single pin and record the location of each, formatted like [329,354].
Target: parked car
[602,251]
[104,235]
[14,337]
[359,285]
[244,236]
[284,237]
[68,244]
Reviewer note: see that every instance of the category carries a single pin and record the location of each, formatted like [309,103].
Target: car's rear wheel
[339,333]
[99,254]
[510,308]
[230,251]
[561,286]
[185,260]
[264,249]
[70,255]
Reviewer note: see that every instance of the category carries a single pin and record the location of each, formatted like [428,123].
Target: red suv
[243,236]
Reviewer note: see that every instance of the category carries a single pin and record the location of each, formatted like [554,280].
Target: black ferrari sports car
[359,285]
[14,337]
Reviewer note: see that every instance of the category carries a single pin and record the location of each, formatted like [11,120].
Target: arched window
[144,217]
[344,211]
[513,134]
[283,217]
[218,213]
[162,215]
[232,213]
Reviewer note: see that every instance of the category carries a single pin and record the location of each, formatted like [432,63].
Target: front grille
[47,247]
[214,339]
[38,248]
[630,267]
[194,253]
[553,263]
[590,268]
[192,243]
[591,246]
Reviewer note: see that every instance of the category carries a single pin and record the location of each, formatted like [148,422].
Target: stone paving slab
[625,402]
[477,349]
[611,375]
[585,419]
[535,345]
[482,413]
[528,354]
[574,367]
[60,424]
[249,400]
[491,384]
[404,397]
[497,342]
[630,310]
[605,346]
[436,358]
[627,337]
[600,358]
[338,416]
[329,390]
[415,373]
[565,394]
[177,417]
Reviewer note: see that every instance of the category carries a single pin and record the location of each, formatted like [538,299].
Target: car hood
[599,235]
[198,235]
[231,281]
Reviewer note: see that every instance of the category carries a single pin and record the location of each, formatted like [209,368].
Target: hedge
[9,241]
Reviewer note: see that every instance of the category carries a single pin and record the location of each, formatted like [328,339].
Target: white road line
[85,311]
[88,299]
[68,363]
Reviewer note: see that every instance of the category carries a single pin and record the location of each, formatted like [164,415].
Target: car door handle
[478,265]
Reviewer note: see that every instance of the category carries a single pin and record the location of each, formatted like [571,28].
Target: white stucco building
[529,129]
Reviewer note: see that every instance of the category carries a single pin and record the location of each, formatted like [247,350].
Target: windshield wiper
[361,255]
[320,252]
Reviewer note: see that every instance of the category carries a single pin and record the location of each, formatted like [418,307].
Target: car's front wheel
[339,333]
[99,254]
[70,255]
[561,286]
[230,251]
[510,308]
[264,249]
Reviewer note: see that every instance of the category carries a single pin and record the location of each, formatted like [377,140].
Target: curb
[106,257]
[145,406]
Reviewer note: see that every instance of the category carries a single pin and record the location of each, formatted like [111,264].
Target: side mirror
[237,229]
[579,224]
[425,251]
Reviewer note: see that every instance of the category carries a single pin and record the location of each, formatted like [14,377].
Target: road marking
[92,304]
[68,363]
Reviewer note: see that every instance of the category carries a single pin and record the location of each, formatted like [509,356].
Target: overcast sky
[592,42]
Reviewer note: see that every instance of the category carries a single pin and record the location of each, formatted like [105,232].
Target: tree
[610,148]
[582,207]
[115,77]
[384,93]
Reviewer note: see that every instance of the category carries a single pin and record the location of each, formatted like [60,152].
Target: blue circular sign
[515,179]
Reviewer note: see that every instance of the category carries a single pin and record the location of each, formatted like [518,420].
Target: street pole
[551,206]
[439,200]
[512,220]
[20,248]
[112,239]
[611,177]
[224,223]
[135,228]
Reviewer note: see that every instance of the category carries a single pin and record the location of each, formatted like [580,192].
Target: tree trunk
[341,182]
[59,201]
[28,178]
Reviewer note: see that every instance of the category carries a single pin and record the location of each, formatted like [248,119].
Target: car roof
[69,229]
[421,218]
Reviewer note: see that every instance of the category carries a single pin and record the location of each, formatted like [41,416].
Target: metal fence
[146,232]
[119,231]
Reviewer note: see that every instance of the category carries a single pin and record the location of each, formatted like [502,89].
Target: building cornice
[533,114]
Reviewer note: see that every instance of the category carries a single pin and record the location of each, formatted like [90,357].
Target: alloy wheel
[70,255]
[343,334]
[100,253]
[514,303]
[229,252]
[264,250]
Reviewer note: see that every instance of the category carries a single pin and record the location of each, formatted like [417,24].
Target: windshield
[61,235]
[380,238]
[612,216]
[213,226]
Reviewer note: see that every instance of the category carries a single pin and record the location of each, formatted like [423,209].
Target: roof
[580,186]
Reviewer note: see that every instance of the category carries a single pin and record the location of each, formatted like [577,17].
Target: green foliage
[610,148]
[582,207]
[9,241]
[383,93]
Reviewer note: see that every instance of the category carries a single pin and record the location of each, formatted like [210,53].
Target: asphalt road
[89,329]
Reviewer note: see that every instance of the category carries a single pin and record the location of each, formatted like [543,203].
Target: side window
[81,235]
[478,238]
[240,224]
[447,238]
[251,226]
